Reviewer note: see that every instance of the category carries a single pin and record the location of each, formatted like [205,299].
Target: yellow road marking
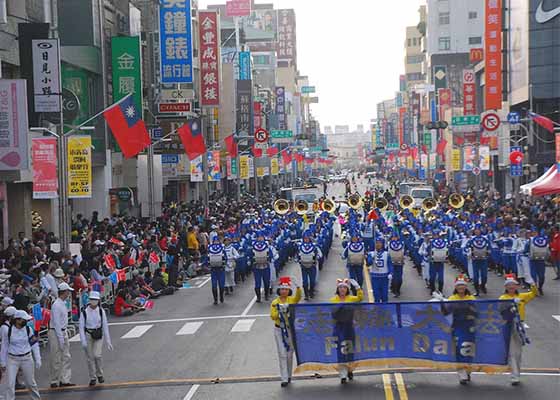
[401,386]
[367,281]
[388,387]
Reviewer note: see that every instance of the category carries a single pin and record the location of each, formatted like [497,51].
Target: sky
[352,51]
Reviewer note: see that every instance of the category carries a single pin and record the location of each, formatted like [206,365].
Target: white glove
[110,347]
[390,276]
[38,364]
[354,284]
[517,300]
[438,296]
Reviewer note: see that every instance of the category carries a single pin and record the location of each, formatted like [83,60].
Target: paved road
[186,348]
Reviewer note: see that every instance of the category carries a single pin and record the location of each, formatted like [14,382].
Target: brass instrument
[355,202]
[429,204]
[281,207]
[301,207]
[456,201]
[328,205]
[406,202]
[381,203]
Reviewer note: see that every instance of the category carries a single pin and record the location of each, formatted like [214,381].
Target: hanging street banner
[79,167]
[209,39]
[245,105]
[456,160]
[214,172]
[175,33]
[245,66]
[469,92]
[484,158]
[127,68]
[443,335]
[238,8]
[493,54]
[196,170]
[46,75]
[274,166]
[469,156]
[45,178]
[286,43]
[281,107]
[244,167]
[14,153]
[231,168]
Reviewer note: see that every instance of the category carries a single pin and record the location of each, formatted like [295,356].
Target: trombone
[281,207]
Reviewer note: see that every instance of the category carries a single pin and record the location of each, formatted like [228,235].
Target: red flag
[192,139]
[110,262]
[154,258]
[121,275]
[545,122]
[309,160]
[299,157]
[440,149]
[231,146]
[128,129]
[485,140]
[460,140]
[286,156]
[257,152]
[424,149]
[272,151]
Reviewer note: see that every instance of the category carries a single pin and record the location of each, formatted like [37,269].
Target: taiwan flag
[231,146]
[286,156]
[193,141]
[128,128]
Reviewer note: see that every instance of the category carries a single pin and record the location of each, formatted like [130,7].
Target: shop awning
[526,189]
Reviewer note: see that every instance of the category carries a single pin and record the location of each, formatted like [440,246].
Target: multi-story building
[413,55]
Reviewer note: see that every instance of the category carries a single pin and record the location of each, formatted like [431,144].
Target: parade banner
[244,167]
[79,167]
[251,167]
[440,335]
[175,34]
[13,125]
[196,170]
[469,156]
[274,166]
[493,16]
[214,172]
[209,39]
[45,178]
[46,75]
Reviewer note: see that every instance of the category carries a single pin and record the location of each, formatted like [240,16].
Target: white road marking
[75,338]
[243,325]
[161,321]
[484,373]
[189,328]
[136,332]
[556,317]
[191,392]
[204,283]
[248,308]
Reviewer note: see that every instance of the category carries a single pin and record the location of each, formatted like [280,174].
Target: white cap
[64,286]
[10,311]
[58,273]
[130,236]
[7,301]
[20,314]
[99,242]
[93,295]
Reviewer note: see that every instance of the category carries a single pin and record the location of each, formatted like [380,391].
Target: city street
[187,348]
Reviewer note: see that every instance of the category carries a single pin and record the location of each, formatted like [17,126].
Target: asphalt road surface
[188,349]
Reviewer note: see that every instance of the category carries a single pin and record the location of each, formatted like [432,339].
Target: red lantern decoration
[516,157]
[490,174]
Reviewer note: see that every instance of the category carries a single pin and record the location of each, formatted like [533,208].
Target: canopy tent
[547,184]
[526,189]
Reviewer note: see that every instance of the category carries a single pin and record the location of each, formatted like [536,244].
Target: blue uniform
[380,268]
[480,248]
[262,256]
[308,255]
[436,248]
[396,251]
[538,251]
[355,253]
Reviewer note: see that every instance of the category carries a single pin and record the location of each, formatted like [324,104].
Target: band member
[396,252]
[344,324]
[437,251]
[480,251]
[355,253]
[231,256]
[516,345]
[262,257]
[308,254]
[368,233]
[381,271]
[279,313]
[217,261]
[539,252]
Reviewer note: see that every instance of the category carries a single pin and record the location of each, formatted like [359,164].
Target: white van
[419,193]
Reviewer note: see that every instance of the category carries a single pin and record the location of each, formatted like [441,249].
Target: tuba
[456,201]
[301,207]
[355,202]
[381,203]
[406,202]
[282,206]
[429,204]
[328,205]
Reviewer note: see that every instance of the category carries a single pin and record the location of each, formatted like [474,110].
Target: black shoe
[284,384]
[476,294]
[343,381]
[258,294]
[100,379]
[19,386]
[92,382]
[221,295]
[463,381]
[541,293]
[54,385]
[289,380]
[515,383]
[350,375]
[484,290]
[306,298]
[67,384]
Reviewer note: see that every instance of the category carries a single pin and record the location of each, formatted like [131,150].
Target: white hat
[10,311]
[20,314]
[58,273]
[510,280]
[93,295]
[460,280]
[99,242]
[64,286]
[7,301]
[130,236]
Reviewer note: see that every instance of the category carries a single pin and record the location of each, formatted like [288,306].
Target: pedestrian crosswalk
[137,332]
[189,328]
[243,325]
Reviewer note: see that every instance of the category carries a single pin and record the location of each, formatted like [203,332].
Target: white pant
[470,268]
[343,371]
[523,269]
[463,374]
[230,278]
[515,351]
[26,365]
[60,358]
[94,351]
[426,270]
[285,357]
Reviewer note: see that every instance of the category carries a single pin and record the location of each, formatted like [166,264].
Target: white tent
[527,188]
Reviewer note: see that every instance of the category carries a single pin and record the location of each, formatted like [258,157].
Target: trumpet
[429,204]
[328,205]
[301,207]
[456,201]
[281,207]
[406,202]
[355,202]
[381,203]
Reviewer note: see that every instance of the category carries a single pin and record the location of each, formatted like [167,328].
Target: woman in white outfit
[20,351]
[231,256]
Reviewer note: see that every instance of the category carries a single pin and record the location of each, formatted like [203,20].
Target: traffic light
[436,125]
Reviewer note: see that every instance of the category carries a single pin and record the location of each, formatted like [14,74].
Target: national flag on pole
[440,149]
[110,262]
[114,278]
[258,153]
[299,157]
[231,146]
[545,122]
[286,156]
[121,275]
[128,128]
[272,151]
[192,139]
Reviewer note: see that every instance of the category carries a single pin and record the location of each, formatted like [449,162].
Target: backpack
[97,333]
[216,260]
[31,336]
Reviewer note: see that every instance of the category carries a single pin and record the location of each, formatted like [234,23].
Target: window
[473,15]
[416,76]
[444,18]
[409,42]
[414,42]
[475,40]
[445,43]
[416,59]
[261,60]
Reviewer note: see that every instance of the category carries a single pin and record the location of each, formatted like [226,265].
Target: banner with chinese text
[196,169]
[127,68]
[45,178]
[214,172]
[209,39]
[175,33]
[493,55]
[79,167]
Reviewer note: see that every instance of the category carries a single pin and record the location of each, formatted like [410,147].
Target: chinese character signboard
[469,92]
[281,136]
[79,167]
[244,107]
[238,8]
[287,36]
[175,34]
[46,75]
[456,160]
[402,112]
[209,39]
[493,54]
[45,178]
[127,68]
[274,166]
[444,96]
[281,107]
[257,115]
[245,65]
[13,125]
[244,167]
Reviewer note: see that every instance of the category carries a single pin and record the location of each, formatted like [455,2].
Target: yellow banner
[244,167]
[456,160]
[79,167]
[409,162]
[262,171]
[300,166]
[274,167]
